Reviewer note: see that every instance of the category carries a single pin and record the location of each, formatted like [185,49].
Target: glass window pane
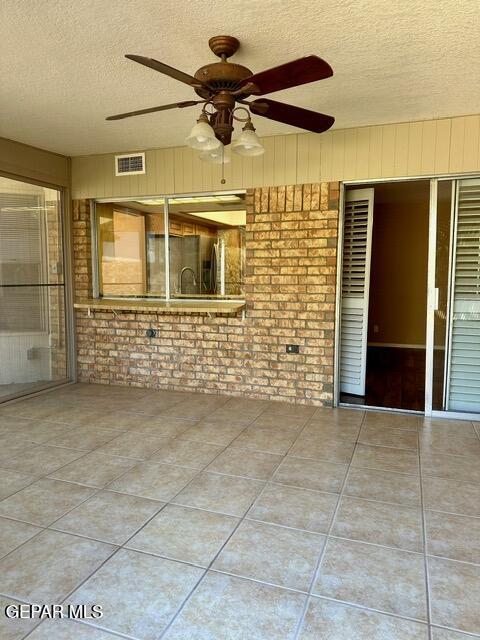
[32,311]
[207,246]
[443,248]
[121,251]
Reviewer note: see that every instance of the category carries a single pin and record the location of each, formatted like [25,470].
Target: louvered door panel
[357,242]
[464,372]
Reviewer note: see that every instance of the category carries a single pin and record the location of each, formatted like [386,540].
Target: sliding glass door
[33,329]
[453,378]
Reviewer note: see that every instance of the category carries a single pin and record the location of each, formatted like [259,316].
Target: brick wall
[291,241]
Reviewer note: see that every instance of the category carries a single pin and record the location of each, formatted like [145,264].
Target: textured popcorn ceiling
[62,68]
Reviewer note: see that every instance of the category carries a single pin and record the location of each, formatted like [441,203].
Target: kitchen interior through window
[171,247]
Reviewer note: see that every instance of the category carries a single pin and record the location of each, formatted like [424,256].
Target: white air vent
[130,164]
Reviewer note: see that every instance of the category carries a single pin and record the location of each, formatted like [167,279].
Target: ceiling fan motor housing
[221,76]
[219,80]
[224,75]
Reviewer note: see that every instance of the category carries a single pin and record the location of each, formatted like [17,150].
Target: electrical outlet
[293,348]
[375,328]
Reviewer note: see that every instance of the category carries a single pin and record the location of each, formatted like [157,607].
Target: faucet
[181,277]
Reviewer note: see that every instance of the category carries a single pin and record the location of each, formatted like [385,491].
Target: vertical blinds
[464,392]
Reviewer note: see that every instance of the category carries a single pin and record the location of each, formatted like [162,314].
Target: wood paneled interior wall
[449,145]
[30,163]
[398,272]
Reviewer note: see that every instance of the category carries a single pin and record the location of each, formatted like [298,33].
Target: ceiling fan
[221,85]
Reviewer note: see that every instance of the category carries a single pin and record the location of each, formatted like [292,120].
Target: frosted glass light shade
[202,137]
[216,156]
[248,144]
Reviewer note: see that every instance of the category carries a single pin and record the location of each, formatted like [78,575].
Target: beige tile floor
[198,517]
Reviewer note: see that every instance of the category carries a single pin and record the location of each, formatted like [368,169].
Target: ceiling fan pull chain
[222,181]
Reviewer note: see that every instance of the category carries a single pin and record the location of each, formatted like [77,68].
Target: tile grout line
[49,475]
[241,520]
[96,490]
[362,607]
[424,544]
[467,634]
[301,620]
[105,487]
[328,535]
[42,527]
[120,547]
[102,542]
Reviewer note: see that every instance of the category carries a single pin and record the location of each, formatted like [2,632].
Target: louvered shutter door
[357,246]
[464,374]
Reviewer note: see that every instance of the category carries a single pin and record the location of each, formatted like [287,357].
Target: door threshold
[10,399]
[366,407]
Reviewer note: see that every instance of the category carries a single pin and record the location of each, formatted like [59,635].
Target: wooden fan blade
[175,105]
[165,69]
[288,114]
[291,74]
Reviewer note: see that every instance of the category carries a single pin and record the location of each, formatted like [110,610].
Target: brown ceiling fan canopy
[223,84]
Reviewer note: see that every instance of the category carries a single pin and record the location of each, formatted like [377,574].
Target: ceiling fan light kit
[221,85]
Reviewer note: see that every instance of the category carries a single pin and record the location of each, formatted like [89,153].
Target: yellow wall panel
[236,174]
[415,135]
[350,155]
[313,172]
[457,144]
[471,145]
[363,151]
[338,154]
[429,133]
[257,164]
[375,152]
[302,158]
[290,160]
[449,145]
[388,150]
[247,172]
[268,161]
[279,146]
[326,156]
[402,140]
[442,145]
[169,168]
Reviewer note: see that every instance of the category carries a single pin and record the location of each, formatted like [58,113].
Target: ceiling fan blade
[291,74]
[175,105]
[165,69]
[288,114]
